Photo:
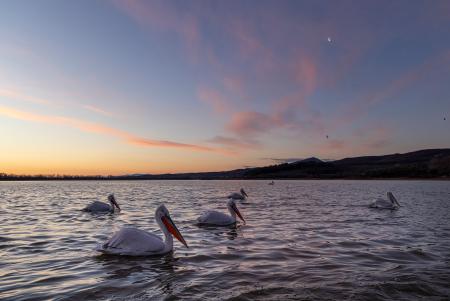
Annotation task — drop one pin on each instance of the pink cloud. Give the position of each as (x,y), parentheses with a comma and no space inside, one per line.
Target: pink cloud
(235,85)
(250,123)
(213,98)
(160,15)
(169,144)
(235,143)
(306,74)
(248,43)
(91,127)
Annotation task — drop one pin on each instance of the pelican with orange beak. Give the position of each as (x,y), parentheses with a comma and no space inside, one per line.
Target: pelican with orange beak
(215,218)
(135,242)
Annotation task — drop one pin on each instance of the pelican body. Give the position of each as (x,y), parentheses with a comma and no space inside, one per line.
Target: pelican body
(136,242)
(241,195)
(391,203)
(215,218)
(101,207)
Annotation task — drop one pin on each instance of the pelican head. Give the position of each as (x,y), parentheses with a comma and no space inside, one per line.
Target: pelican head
(163,215)
(243,192)
(113,201)
(392,198)
(232,204)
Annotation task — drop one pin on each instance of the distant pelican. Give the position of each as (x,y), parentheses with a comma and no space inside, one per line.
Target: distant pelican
(272,183)
(216,218)
(100,207)
(242,195)
(391,203)
(135,242)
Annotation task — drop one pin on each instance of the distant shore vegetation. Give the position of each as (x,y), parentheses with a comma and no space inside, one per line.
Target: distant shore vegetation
(423,164)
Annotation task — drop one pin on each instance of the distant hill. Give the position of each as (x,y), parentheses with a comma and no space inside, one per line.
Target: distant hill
(430,163)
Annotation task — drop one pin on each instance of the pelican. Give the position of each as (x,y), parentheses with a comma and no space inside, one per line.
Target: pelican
(271,183)
(100,207)
(391,203)
(216,218)
(241,195)
(135,242)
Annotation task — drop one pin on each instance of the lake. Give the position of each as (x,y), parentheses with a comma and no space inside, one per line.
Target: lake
(304,240)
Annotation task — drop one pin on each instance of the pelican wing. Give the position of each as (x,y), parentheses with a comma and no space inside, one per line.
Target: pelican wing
(215,218)
(382,204)
(97,206)
(132,241)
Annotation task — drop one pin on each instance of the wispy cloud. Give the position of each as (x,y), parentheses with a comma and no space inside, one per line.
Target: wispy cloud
(16,95)
(97,128)
(162,16)
(271,46)
(250,123)
(98,110)
(215,99)
(360,106)
(235,143)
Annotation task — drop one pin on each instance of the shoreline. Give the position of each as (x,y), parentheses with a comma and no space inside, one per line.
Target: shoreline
(229,179)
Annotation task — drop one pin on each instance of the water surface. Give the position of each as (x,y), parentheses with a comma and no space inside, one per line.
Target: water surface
(304,240)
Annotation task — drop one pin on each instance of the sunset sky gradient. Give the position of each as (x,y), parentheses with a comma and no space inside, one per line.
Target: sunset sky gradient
(131,86)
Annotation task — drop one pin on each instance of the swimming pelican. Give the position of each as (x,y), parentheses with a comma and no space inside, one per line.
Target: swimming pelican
(241,195)
(100,207)
(216,218)
(135,242)
(391,203)
(272,183)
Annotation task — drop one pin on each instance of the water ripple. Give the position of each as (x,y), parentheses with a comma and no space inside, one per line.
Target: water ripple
(304,240)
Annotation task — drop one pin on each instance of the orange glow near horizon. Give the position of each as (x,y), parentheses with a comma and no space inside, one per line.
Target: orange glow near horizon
(172,86)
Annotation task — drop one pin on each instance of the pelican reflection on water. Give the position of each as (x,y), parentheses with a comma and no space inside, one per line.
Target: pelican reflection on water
(135,242)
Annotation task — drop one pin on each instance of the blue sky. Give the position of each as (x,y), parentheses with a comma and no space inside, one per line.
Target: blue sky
(112,87)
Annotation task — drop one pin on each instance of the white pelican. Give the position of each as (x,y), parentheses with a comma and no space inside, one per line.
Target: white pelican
(241,195)
(272,183)
(100,207)
(391,203)
(216,218)
(135,242)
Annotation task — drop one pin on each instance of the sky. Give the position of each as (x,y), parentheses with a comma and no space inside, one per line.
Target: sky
(129,86)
